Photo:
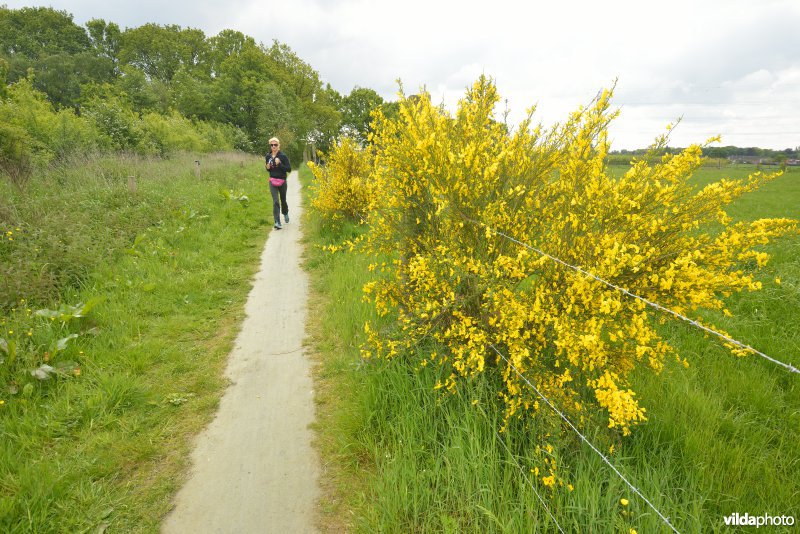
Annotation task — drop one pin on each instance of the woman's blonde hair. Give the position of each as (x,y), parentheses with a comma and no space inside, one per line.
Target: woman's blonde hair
(275,139)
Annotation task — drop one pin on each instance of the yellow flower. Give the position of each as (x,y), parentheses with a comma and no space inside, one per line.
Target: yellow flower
(623,502)
(456,282)
(777,280)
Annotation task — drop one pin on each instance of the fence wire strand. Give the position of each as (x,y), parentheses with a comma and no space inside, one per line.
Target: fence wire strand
(530,482)
(650,303)
(789,367)
(585,440)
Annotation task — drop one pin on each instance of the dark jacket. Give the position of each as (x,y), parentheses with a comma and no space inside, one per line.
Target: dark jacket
(281,170)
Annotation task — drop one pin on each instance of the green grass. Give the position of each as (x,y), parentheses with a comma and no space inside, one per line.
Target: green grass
(721,436)
(779,198)
(108,448)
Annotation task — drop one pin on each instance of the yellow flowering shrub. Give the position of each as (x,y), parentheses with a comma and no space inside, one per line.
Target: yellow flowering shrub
(343,188)
(448,184)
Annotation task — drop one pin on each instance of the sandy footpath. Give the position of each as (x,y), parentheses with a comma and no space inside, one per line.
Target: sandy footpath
(254,470)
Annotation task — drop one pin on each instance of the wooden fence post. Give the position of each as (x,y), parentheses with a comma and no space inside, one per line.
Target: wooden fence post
(197,168)
(132,184)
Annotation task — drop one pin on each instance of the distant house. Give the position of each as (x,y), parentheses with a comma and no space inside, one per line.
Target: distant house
(752,160)
(793,162)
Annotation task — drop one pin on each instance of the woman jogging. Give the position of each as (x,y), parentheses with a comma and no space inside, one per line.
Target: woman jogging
(278,166)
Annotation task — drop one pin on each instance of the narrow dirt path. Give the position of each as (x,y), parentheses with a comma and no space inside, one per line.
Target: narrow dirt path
(254,470)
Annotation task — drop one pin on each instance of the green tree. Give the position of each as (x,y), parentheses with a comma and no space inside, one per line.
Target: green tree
(48,133)
(159,51)
(61,76)
(3,77)
(190,94)
(116,78)
(237,91)
(390,110)
(59,51)
(105,39)
(357,110)
(119,124)
(133,85)
(292,72)
(326,120)
(317,118)
(225,44)
(35,32)
(276,117)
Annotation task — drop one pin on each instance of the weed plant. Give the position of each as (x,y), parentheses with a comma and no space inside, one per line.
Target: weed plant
(102,443)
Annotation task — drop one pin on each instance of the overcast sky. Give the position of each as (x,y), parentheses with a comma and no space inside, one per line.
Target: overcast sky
(727,67)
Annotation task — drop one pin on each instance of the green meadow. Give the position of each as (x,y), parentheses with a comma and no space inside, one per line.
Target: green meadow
(132,299)
(721,436)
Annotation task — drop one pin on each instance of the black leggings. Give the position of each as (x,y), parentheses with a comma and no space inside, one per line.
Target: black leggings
(279,205)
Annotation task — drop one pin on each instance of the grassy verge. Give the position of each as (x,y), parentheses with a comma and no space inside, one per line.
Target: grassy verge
(106,445)
(721,436)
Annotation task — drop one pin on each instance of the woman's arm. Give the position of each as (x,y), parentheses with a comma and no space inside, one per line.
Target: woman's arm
(285,165)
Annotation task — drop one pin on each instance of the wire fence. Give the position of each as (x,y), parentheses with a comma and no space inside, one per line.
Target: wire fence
(585,440)
(529,481)
(665,519)
(791,368)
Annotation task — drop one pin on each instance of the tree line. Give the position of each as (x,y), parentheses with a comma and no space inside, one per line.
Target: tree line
(726,152)
(155,88)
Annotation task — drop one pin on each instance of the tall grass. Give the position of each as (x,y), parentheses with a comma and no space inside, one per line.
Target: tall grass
(721,435)
(106,449)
